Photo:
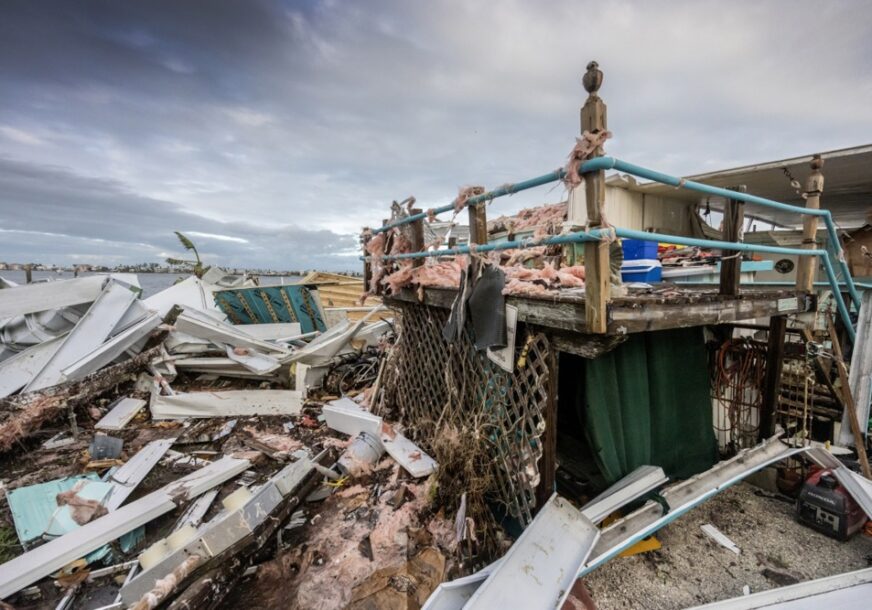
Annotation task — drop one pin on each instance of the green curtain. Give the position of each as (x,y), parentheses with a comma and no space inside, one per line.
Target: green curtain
(648,402)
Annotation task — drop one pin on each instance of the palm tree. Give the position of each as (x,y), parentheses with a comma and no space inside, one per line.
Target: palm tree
(196,266)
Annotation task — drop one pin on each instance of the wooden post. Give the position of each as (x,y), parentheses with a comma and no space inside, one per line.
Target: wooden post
(596,254)
(417,237)
(548,462)
(772,381)
(814,186)
(477,224)
(367,265)
(848,399)
(731,268)
(28,274)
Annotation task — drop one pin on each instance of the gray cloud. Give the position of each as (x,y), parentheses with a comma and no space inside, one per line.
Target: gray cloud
(49,213)
(244,116)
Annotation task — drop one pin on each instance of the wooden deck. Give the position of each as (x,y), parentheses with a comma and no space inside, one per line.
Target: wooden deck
(661,307)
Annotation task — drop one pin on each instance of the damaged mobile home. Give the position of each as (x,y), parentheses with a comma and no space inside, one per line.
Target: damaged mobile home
(515,414)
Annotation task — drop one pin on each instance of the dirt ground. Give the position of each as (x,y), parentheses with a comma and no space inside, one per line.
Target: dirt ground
(692,569)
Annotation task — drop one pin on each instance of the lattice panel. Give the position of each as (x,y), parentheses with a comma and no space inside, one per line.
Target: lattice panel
(428,383)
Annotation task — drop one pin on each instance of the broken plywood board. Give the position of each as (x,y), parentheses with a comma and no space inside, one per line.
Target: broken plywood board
(30,567)
(120,413)
(87,335)
(230,403)
(540,567)
(43,296)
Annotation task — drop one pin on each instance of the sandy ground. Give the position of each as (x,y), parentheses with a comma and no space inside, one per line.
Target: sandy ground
(691,569)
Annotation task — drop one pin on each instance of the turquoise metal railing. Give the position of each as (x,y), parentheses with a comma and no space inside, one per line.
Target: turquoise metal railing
(604,163)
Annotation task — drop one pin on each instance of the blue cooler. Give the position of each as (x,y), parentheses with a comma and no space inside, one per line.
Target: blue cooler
(647,270)
(635,249)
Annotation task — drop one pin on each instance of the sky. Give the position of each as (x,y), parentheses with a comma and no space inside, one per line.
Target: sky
(271,131)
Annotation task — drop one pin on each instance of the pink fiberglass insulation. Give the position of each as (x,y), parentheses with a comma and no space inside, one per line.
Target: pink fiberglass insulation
(548,215)
(527,281)
(376,245)
(519,280)
(442,274)
(522,288)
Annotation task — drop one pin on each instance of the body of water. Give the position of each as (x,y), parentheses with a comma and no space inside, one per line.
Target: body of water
(150,282)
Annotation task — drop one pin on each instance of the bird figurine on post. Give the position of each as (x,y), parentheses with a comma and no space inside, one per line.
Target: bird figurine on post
(593,78)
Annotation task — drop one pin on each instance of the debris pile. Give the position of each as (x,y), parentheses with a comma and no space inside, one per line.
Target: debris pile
(184,451)
(201,462)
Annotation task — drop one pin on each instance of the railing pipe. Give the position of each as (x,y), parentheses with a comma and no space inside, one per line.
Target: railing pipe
(605,163)
(643,172)
(507,189)
(744,247)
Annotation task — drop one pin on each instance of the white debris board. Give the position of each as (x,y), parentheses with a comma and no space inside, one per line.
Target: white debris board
(231,403)
(120,414)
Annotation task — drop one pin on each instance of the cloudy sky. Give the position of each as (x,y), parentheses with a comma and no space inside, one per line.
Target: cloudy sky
(271,131)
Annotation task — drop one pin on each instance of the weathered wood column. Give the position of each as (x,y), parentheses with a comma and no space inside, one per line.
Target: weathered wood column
(814,186)
(772,381)
(477,224)
(367,264)
(417,237)
(596,254)
(734,220)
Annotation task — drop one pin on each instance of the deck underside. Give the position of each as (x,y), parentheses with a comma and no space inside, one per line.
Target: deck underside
(658,308)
